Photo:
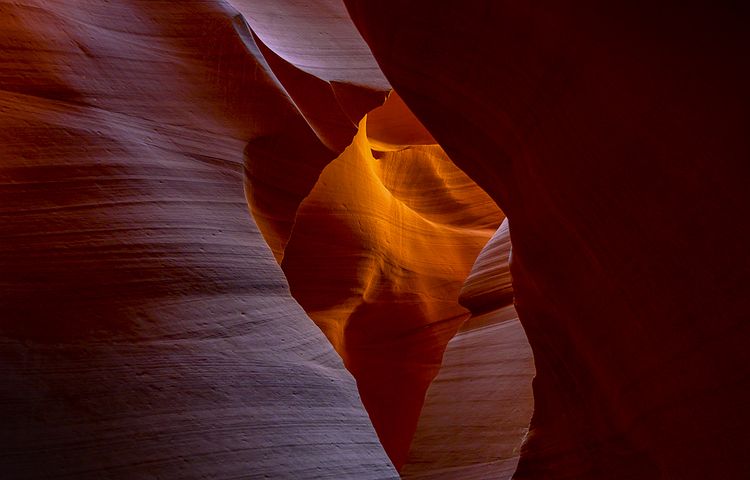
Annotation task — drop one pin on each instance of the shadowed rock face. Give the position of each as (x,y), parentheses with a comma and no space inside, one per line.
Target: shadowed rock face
(614,139)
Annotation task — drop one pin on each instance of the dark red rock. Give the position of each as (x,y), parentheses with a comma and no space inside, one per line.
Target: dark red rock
(614,138)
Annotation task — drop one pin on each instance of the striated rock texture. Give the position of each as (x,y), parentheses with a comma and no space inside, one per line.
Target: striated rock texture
(145,329)
(377,256)
(329,81)
(489,285)
(477,410)
(614,138)
(377,246)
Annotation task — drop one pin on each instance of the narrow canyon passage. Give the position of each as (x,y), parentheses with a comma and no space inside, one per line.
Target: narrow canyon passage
(378,254)
(146,329)
(272,239)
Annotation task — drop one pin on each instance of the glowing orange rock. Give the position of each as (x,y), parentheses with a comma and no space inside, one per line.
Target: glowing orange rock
(377,256)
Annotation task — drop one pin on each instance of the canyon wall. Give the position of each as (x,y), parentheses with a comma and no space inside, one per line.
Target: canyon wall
(377,257)
(146,330)
(614,138)
(477,410)
(355,310)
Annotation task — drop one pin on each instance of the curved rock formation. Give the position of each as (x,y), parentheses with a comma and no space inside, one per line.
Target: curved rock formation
(489,286)
(477,410)
(377,256)
(377,250)
(146,330)
(316,37)
(613,137)
(323,111)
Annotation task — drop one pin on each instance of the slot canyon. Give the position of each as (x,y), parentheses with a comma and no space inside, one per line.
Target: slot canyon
(350,239)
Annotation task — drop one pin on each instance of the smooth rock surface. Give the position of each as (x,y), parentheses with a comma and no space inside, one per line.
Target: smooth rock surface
(477,409)
(377,257)
(489,285)
(145,329)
